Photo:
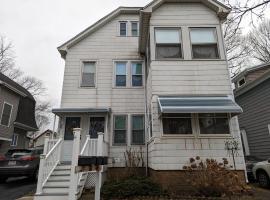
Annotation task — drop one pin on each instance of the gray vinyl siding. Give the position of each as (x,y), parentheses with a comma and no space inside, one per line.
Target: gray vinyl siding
(256,118)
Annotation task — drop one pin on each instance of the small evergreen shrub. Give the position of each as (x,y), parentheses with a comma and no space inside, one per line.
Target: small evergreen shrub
(130,187)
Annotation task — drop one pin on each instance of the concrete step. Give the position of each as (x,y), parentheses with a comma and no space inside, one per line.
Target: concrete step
(51,196)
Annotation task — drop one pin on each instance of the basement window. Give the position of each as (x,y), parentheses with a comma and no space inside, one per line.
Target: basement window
(241,82)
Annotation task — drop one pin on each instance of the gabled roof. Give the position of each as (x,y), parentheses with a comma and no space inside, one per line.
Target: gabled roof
(77,38)
(250,69)
(42,133)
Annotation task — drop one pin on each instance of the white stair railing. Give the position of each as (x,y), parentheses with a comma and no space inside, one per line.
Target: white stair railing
(48,161)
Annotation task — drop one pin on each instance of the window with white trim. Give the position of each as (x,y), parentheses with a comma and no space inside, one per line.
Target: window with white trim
(204,43)
(6,114)
(121,74)
(88,74)
(14,140)
(137,74)
(168,43)
(137,137)
(177,124)
(123,28)
(134,28)
(120,130)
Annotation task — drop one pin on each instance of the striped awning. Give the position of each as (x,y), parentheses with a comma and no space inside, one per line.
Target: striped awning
(198,104)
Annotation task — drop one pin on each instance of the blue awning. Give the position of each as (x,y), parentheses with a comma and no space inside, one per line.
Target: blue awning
(195,104)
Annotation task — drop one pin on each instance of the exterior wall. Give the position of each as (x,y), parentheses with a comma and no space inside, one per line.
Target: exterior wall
(103,46)
(13,99)
(187,77)
(256,118)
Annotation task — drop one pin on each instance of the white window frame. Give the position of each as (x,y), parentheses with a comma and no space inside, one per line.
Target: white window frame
(127,129)
(131,129)
(216,37)
(119,28)
(82,66)
(9,115)
(180,30)
(238,82)
(114,77)
(131,75)
(16,140)
(137,28)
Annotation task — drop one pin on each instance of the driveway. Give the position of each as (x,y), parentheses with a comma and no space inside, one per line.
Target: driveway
(16,188)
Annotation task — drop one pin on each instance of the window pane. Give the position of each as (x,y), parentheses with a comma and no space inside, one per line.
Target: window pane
(138,137)
(120,122)
(167,36)
(120,80)
(119,136)
(214,124)
(205,51)
(137,80)
(6,114)
(134,28)
(168,51)
(202,35)
(121,68)
(137,122)
(88,79)
(136,68)
(89,67)
(177,126)
(123,29)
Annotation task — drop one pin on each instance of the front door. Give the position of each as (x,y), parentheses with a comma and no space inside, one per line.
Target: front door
(96,125)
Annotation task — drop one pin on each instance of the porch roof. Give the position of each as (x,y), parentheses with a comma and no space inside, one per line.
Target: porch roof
(61,111)
(198,104)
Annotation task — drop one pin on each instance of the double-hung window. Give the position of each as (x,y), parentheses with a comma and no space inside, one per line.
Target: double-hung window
(123,28)
(177,124)
(168,43)
(88,74)
(137,74)
(6,114)
(120,130)
(204,43)
(214,123)
(137,130)
(120,74)
(134,28)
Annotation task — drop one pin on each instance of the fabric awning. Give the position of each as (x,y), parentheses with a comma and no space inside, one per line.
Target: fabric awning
(61,111)
(197,104)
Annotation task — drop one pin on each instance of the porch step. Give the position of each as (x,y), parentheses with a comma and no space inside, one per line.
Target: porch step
(55,189)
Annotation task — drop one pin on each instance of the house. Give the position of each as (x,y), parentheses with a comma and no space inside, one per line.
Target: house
(153,77)
(252,93)
(38,139)
(17,115)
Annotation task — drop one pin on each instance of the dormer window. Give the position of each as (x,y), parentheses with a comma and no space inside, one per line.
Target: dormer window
(241,82)
(168,43)
(123,28)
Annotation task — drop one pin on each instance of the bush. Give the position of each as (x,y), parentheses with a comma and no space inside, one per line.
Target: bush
(130,187)
(212,179)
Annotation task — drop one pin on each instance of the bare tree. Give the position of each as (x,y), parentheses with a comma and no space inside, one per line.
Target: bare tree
(258,41)
(32,84)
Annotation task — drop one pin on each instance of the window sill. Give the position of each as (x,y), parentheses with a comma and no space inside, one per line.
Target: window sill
(139,87)
(218,136)
(87,87)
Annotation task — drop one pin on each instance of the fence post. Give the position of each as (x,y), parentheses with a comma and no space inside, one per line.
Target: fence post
(73,175)
(99,153)
(41,166)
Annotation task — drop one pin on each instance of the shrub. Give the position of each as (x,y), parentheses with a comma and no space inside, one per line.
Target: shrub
(212,179)
(131,187)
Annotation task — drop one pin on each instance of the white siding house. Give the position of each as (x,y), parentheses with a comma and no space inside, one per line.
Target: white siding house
(154,77)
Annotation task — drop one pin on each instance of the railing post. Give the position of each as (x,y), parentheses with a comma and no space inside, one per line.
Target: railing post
(73,175)
(99,153)
(41,166)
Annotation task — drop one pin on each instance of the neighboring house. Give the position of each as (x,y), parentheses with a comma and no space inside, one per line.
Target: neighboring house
(17,115)
(154,77)
(252,93)
(39,138)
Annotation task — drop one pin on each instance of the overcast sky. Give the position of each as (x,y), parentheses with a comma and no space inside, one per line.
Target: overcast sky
(37,27)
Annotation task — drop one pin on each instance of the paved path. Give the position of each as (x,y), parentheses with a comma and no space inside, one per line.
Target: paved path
(16,188)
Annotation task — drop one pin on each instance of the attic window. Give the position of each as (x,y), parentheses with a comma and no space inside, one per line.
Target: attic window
(241,82)
(123,28)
